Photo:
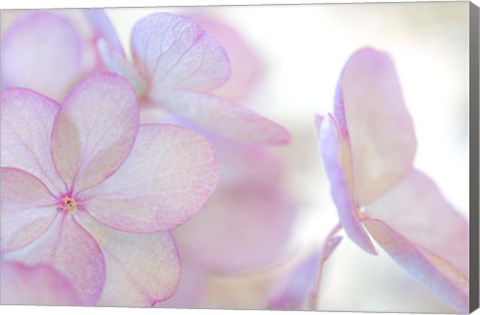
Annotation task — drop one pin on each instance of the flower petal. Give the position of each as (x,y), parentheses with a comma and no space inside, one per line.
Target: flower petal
(71,250)
(94,130)
(436,274)
(380,129)
(41,51)
(142,269)
(416,208)
(248,198)
(330,144)
(27,208)
(218,116)
(174,52)
(244,61)
(37,285)
(26,125)
(117,63)
(169,175)
(102,28)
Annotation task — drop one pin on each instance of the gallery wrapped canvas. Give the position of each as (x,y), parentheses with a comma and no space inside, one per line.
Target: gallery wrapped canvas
(317,157)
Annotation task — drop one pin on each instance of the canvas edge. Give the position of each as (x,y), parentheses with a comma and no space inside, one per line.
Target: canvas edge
(474,155)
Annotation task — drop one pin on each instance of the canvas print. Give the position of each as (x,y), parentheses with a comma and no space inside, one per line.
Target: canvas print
(286,157)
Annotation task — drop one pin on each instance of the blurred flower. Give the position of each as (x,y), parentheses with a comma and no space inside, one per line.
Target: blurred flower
(175,64)
(38,284)
(368,147)
(250,197)
(88,191)
(302,281)
(50,51)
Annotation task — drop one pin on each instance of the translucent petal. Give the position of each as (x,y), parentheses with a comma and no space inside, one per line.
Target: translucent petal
(222,118)
(435,273)
(330,144)
(72,251)
(169,175)
(94,130)
(174,52)
(27,208)
(142,269)
(370,108)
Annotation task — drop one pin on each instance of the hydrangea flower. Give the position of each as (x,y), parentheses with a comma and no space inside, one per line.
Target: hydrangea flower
(368,147)
(49,51)
(175,66)
(38,284)
(88,191)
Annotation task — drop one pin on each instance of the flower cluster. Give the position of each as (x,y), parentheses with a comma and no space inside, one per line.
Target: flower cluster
(88,190)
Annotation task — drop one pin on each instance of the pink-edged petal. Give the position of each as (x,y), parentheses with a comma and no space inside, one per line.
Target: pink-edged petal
(249,198)
(142,269)
(370,106)
(72,251)
(94,130)
(174,52)
(27,208)
(436,274)
(37,285)
(26,125)
(41,51)
(191,288)
(416,208)
(330,145)
(222,118)
(245,63)
(169,175)
(115,62)
(102,28)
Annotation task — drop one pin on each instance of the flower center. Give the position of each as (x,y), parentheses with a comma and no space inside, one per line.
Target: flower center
(69,204)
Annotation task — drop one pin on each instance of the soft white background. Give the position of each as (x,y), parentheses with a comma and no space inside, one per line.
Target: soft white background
(433,93)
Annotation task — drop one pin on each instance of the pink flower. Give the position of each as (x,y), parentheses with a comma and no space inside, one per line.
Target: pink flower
(87,190)
(39,285)
(175,64)
(50,51)
(368,146)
